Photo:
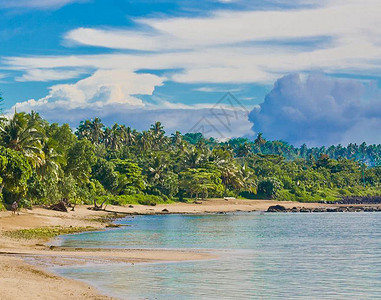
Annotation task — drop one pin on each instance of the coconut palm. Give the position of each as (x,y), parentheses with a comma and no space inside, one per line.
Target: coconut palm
(96,131)
(127,135)
(156,169)
(18,134)
(157,129)
(193,158)
(176,138)
(112,137)
(243,150)
(145,140)
(51,163)
(260,140)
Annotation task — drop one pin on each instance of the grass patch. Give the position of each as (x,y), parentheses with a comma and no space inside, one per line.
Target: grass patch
(45,232)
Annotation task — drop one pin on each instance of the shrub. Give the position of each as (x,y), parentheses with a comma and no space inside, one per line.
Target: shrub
(133,199)
(270,187)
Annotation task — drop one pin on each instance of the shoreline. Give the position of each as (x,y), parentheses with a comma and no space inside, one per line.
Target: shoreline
(39,283)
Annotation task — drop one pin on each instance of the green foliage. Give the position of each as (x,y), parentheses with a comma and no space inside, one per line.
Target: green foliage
(131,180)
(80,159)
(133,199)
(2,207)
(270,187)
(15,172)
(202,181)
(42,163)
(103,171)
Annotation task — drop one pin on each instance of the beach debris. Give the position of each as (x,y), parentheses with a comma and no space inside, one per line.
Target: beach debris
(165,210)
(60,206)
(112,225)
(131,206)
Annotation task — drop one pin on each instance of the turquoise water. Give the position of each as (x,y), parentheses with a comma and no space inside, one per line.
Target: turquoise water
(262,256)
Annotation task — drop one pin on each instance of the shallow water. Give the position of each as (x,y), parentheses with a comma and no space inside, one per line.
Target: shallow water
(262,256)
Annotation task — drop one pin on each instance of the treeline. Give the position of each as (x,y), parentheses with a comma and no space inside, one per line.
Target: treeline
(43,163)
(368,154)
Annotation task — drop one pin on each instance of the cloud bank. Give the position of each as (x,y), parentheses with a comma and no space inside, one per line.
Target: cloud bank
(185,120)
(319,110)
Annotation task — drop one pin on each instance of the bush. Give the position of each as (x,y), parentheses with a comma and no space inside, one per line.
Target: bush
(269,187)
(285,195)
(133,199)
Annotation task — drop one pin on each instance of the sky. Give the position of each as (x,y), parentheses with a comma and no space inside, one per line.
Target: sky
(302,71)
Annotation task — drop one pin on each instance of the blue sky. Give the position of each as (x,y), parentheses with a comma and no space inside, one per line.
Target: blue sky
(136,62)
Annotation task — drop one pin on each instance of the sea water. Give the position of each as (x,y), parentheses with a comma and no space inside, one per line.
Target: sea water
(260,256)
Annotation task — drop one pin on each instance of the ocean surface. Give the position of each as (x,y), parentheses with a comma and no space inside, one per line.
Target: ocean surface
(261,256)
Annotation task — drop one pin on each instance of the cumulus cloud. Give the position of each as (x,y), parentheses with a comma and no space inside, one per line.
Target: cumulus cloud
(319,110)
(185,120)
(102,88)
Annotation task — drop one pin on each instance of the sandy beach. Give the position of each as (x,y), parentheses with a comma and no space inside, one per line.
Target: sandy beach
(21,280)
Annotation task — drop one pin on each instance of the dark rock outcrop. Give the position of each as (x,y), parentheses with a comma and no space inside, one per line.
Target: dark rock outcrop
(352,208)
(276,208)
(358,200)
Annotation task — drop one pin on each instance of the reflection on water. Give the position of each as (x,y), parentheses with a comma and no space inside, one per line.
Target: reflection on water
(270,256)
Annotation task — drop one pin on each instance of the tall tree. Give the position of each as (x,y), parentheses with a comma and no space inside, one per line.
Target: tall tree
(17,133)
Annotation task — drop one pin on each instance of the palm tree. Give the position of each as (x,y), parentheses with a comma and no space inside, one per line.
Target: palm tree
(128,136)
(157,132)
(84,130)
(243,150)
(112,137)
(156,169)
(260,140)
(51,163)
(35,120)
(157,129)
(145,140)
(193,158)
(176,138)
(18,134)
(96,131)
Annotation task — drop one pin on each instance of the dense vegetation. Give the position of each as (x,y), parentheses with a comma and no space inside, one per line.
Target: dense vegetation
(42,163)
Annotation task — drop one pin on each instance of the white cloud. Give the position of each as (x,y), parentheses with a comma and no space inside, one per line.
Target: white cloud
(48,75)
(40,4)
(224,47)
(210,50)
(319,110)
(182,119)
(207,89)
(337,19)
(104,87)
